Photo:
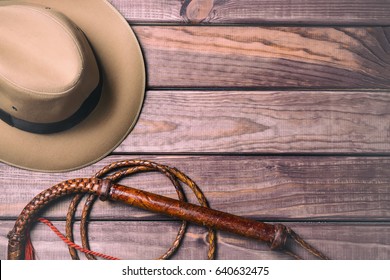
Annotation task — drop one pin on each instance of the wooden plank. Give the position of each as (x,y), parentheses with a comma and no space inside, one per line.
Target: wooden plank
(144,240)
(262,122)
(325,12)
(264,188)
(266,57)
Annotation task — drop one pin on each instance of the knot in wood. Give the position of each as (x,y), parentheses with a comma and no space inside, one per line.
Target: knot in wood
(197,10)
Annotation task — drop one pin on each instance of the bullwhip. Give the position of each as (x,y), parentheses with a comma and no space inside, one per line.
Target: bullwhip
(104,185)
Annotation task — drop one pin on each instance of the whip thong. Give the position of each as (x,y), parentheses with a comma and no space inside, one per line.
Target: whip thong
(108,188)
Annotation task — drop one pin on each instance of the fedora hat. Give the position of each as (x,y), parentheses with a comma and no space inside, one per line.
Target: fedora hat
(72,82)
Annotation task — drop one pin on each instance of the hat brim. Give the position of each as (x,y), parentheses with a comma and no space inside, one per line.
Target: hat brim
(122,66)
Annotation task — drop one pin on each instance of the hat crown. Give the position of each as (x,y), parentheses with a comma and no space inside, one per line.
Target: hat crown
(47,67)
(40,53)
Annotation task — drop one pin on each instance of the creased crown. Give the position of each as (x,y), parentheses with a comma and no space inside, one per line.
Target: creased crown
(47,67)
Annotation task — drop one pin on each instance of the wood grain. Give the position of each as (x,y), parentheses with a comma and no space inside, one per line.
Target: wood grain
(263,188)
(144,240)
(266,57)
(262,122)
(325,12)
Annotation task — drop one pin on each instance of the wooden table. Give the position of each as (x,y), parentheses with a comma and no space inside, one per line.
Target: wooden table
(279,110)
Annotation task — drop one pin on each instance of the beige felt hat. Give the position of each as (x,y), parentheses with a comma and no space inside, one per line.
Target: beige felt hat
(72,82)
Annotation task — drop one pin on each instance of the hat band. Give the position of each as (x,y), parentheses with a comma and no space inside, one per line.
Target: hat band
(46,128)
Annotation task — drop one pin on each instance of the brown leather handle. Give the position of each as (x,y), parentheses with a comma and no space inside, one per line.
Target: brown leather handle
(274,235)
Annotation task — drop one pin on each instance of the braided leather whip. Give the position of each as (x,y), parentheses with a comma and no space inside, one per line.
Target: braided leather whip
(106,187)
